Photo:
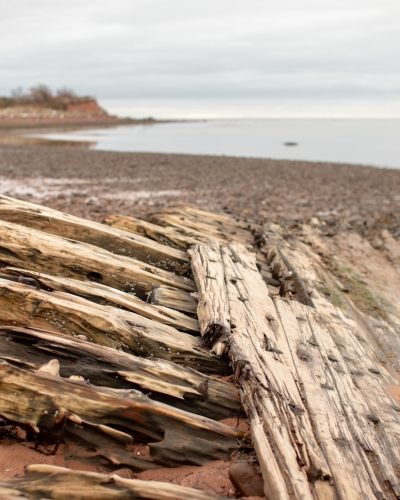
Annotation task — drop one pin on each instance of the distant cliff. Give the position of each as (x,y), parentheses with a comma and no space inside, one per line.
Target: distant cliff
(40,106)
(42,97)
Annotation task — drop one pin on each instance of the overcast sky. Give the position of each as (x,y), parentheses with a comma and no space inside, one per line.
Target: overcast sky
(220,48)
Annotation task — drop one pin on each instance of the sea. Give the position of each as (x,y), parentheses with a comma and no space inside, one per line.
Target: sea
(331,135)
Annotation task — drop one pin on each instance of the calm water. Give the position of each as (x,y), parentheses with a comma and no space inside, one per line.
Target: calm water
(363,141)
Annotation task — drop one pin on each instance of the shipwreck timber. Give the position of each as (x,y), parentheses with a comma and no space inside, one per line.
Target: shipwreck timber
(118,333)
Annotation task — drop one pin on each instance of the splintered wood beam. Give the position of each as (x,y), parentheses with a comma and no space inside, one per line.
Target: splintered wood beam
(213,305)
(24,305)
(346,442)
(49,481)
(166,382)
(36,250)
(112,239)
(258,350)
(262,360)
(55,408)
(318,392)
(173,299)
(234,223)
(165,235)
(105,295)
(199,231)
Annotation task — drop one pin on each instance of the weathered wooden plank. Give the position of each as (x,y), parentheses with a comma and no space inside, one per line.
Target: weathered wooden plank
(260,315)
(213,305)
(172,298)
(112,239)
(201,232)
(49,481)
(375,428)
(165,235)
(275,485)
(234,223)
(53,407)
(23,305)
(254,352)
(166,382)
(364,380)
(266,374)
(200,229)
(350,477)
(35,250)
(104,295)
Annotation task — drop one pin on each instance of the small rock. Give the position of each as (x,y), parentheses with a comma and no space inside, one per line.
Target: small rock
(246,479)
(315,221)
(377,242)
(52,367)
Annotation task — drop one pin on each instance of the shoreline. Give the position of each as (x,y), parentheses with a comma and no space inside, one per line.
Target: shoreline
(42,124)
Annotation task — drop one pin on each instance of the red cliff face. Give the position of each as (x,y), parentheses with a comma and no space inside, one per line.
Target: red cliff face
(86,107)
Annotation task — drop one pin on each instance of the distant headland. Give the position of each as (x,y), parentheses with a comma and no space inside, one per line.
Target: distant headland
(41,107)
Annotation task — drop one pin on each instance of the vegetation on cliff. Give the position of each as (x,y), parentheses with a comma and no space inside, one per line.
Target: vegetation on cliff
(42,96)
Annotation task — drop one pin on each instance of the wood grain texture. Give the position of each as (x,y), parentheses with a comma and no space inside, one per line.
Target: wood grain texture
(164,235)
(173,298)
(112,239)
(51,482)
(213,305)
(23,305)
(162,380)
(35,250)
(315,395)
(105,295)
(55,407)
(237,226)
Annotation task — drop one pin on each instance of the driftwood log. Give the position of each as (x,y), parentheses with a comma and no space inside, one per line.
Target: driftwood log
(112,239)
(51,482)
(53,407)
(105,295)
(24,305)
(38,251)
(162,380)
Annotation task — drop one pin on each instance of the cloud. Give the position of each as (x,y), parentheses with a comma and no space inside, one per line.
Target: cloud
(219,48)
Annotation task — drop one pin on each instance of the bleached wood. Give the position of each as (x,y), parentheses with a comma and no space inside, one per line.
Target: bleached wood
(379,438)
(35,250)
(105,295)
(23,305)
(52,406)
(165,235)
(234,223)
(256,357)
(213,305)
(202,233)
(172,298)
(325,407)
(112,239)
(361,379)
(66,484)
(167,382)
